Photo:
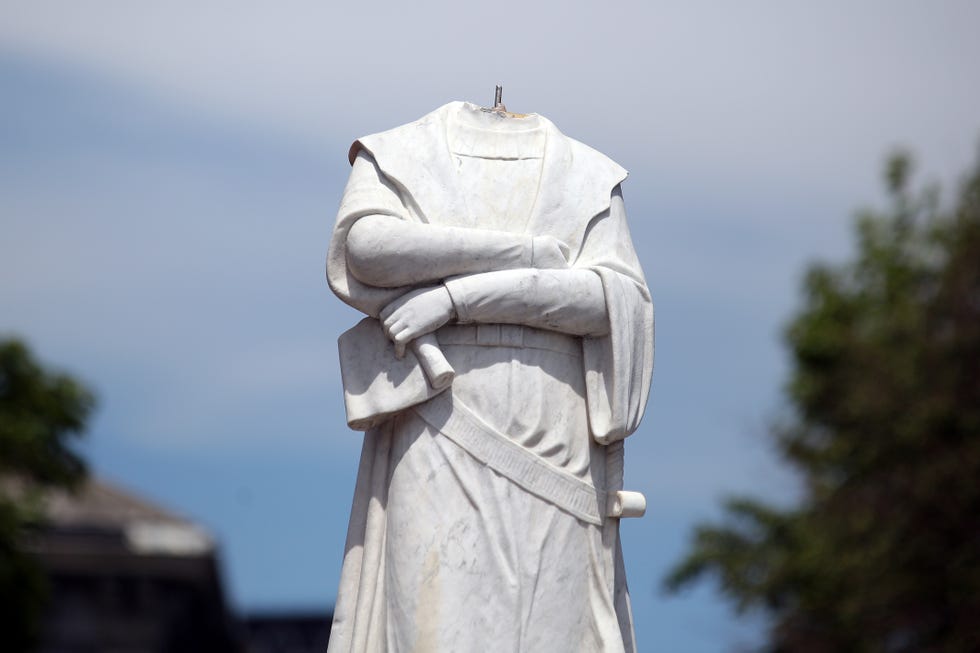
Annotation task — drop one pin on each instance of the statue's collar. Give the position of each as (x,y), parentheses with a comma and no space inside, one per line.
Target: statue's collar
(576,181)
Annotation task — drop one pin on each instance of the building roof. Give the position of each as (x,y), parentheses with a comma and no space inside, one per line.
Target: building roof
(98,503)
(146,527)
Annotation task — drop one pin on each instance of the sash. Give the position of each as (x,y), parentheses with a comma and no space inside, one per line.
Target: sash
(453,419)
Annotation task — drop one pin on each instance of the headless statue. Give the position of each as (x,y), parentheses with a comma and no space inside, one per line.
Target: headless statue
(505,354)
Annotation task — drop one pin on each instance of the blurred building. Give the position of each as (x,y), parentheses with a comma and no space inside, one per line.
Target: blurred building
(128,576)
(287,632)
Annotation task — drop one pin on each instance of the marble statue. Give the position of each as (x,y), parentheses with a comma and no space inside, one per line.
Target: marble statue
(505,354)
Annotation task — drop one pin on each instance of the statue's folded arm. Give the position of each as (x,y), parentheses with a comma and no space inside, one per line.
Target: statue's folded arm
(387,251)
(570,301)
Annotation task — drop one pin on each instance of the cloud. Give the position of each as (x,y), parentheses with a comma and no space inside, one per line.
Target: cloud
(177,264)
(759,93)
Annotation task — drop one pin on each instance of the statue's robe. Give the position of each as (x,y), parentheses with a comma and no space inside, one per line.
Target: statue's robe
(479,517)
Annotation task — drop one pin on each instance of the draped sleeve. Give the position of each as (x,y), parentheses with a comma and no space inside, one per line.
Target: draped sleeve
(367,192)
(617,365)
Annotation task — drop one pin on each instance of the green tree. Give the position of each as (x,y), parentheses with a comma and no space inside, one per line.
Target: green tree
(883,551)
(40,413)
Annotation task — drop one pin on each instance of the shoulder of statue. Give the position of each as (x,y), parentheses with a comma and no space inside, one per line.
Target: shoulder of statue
(404,137)
(598,163)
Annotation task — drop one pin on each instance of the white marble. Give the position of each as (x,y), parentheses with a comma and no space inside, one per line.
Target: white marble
(506,354)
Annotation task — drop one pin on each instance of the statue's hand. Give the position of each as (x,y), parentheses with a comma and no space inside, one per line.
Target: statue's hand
(549,253)
(414,314)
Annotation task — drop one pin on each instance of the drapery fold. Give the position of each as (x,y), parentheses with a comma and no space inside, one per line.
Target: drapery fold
(618,366)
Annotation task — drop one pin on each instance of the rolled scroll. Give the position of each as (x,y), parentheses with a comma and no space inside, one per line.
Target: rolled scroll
(438,372)
(623,503)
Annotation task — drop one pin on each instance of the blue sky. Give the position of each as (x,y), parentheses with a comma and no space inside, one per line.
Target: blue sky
(169,177)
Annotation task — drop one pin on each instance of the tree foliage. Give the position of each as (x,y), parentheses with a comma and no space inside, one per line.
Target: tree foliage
(40,413)
(883,551)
